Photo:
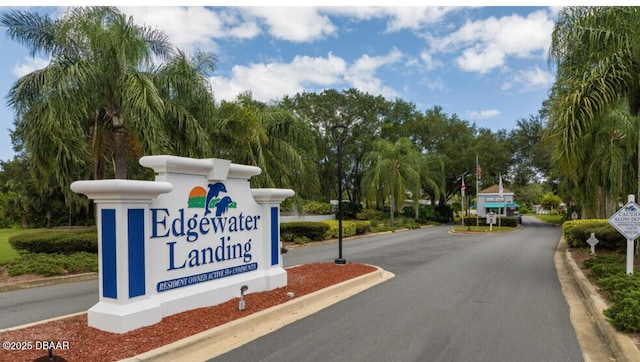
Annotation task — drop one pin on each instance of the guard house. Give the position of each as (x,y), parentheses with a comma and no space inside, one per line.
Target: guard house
(490,199)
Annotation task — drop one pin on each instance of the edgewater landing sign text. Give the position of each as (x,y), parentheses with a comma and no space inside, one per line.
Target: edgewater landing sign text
(190,239)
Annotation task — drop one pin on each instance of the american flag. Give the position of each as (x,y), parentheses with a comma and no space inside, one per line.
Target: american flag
(462,188)
(478,169)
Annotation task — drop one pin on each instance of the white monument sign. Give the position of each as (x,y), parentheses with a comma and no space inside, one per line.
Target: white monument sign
(627,222)
(192,238)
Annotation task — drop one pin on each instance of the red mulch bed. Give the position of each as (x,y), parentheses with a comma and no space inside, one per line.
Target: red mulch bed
(90,344)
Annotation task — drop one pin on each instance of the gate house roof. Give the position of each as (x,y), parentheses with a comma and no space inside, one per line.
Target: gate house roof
(495,189)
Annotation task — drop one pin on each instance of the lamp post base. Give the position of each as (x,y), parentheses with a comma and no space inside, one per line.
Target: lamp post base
(340,261)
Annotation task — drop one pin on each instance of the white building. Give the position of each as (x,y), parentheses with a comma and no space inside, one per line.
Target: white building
(490,199)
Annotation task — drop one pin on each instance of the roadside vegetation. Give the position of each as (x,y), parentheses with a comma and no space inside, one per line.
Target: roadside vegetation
(48,252)
(607,270)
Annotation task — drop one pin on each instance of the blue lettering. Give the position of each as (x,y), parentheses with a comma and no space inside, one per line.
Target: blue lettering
(192,224)
(155,222)
(172,257)
(247,251)
(204,226)
(194,258)
(220,254)
(219,224)
(177,226)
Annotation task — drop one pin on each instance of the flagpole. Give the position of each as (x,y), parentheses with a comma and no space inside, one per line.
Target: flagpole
(500,191)
(462,190)
(477,199)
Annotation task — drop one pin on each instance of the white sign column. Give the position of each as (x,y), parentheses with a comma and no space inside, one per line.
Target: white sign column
(627,222)
(121,206)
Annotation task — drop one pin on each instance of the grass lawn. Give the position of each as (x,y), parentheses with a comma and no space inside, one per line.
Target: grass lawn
(8,253)
(553,219)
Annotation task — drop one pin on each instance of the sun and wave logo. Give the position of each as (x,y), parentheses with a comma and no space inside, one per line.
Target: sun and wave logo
(210,199)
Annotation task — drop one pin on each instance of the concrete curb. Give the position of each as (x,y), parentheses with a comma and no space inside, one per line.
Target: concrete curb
(621,345)
(224,338)
(48,281)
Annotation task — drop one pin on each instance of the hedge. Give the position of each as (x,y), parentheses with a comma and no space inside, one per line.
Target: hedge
(576,233)
(57,241)
(362,226)
(315,231)
(348,228)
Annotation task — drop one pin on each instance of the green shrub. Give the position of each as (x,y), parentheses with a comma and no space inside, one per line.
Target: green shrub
(603,259)
(301,240)
(624,315)
(351,209)
(369,214)
(348,228)
(619,285)
(57,241)
(524,210)
(54,264)
(317,207)
(362,226)
(444,214)
(606,270)
(311,229)
(427,212)
(576,233)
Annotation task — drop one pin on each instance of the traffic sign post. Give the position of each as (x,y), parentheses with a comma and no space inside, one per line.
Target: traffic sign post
(627,222)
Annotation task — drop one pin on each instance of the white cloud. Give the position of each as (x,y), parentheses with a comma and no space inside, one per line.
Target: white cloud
(274,80)
(414,17)
(296,24)
(487,44)
(190,28)
(29,65)
(435,84)
(534,79)
(361,74)
(429,62)
(270,81)
(484,114)
(482,61)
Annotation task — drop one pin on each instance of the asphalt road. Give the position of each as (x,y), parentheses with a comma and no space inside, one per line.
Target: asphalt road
(33,305)
(454,298)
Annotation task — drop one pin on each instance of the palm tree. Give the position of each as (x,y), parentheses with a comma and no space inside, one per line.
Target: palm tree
(100,96)
(607,167)
(596,52)
(394,171)
(271,138)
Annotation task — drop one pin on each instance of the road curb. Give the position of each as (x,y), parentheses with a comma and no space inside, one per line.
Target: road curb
(621,345)
(48,281)
(224,338)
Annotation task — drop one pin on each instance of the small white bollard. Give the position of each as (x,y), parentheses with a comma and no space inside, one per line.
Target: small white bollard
(243,289)
(592,241)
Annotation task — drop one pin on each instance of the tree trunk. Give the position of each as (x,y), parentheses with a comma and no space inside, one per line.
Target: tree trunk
(119,155)
(392,206)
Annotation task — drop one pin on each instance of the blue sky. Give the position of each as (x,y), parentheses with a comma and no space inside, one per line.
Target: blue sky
(488,65)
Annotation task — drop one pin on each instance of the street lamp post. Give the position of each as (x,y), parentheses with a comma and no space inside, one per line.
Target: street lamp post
(339,133)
